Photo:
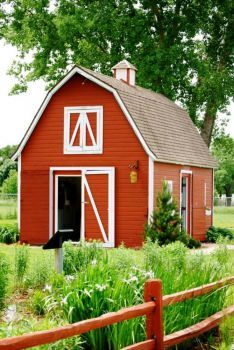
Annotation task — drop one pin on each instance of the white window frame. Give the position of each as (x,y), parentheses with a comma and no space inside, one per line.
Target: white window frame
(205,193)
(191,196)
(82,122)
(170,186)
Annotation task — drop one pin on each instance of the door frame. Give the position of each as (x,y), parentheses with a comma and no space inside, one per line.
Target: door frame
(189,213)
(110,171)
(56,184)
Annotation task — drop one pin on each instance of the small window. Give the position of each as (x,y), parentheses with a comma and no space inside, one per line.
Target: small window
(205,194)
(83,130)
(170,186)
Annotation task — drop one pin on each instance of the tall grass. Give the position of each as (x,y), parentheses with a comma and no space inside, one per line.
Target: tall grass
(21,263)
(4,275)
(116,280)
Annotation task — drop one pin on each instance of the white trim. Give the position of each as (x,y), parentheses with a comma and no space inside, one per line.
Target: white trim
(186,171)
(212,198)
(81,123)
(150,188)
(51,200)
(191,196)
(19,192)
(110,171)
(98,82)
(205,193)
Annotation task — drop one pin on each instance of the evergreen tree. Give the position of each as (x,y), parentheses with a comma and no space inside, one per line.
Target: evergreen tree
(165,224)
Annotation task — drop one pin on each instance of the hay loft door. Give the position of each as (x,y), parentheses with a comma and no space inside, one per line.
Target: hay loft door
(98,206)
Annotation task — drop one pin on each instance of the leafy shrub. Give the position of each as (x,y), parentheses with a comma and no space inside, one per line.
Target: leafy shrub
(165,224)
(10,183)
(21,262)
(79,256)
(4,270)
(214,233)
(37,303)
(193,243)
(40,271)
(5,169)
(9,233)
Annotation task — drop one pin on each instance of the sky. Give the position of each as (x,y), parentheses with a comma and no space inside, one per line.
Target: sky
(17,111)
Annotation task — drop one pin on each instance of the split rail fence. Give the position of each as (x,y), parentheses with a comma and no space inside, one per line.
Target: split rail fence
(152,308)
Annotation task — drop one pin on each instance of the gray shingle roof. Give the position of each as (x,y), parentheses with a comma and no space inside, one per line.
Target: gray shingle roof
(167,129)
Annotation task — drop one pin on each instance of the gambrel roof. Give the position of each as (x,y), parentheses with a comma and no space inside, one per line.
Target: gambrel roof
(164,129)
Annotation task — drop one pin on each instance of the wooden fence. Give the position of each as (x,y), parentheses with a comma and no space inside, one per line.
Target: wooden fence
(152,308)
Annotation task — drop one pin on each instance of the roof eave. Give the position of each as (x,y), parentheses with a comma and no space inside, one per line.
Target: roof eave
(68,76)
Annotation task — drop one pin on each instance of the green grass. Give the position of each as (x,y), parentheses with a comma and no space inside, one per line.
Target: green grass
(8,209)
(107,280)
(224,217)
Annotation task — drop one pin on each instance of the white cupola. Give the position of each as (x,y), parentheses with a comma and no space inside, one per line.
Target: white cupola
(125,71)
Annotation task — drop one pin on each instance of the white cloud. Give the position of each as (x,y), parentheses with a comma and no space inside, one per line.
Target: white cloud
(16,112)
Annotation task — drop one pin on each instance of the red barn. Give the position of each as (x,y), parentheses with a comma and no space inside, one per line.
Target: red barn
(96,154)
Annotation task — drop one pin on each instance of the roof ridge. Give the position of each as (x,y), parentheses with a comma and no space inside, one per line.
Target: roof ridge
(135,89)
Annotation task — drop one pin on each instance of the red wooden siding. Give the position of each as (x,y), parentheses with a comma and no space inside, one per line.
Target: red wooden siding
(120,149)
(200,176)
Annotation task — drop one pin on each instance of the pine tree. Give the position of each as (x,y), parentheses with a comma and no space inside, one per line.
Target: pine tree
(165,224)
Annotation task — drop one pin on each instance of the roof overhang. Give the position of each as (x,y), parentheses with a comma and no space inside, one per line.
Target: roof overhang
(66,78)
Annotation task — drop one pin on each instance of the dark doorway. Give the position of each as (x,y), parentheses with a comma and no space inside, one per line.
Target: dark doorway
(69,204)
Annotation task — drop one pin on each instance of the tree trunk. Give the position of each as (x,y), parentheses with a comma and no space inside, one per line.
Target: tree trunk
(228,192)
(208,127)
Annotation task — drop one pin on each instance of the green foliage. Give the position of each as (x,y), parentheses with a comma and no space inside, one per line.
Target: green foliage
(223,150)
(4,277)
(37,303)
(81,255)
(9,233)
(10,183)
(7,152)
(28,325)
(40,272)
(215,233)
(182,49)
(5,168)
(112,284)
(21,263)
(165,224)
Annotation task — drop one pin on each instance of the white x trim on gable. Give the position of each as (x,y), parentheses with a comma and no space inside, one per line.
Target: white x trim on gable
(83,130)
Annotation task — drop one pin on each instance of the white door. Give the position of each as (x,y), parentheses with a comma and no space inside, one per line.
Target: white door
(98,194)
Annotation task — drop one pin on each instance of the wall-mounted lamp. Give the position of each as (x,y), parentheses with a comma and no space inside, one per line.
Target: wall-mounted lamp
(134,168)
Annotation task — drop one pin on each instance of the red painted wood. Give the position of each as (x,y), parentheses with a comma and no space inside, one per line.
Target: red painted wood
(154,321)
(121,148)
(144,345)
(197,329)
(200,222)
(52,335)
(195,292)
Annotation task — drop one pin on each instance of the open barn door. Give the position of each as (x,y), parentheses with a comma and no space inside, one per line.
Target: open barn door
(98,206)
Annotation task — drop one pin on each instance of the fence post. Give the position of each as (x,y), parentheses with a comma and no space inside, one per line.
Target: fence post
(154,320)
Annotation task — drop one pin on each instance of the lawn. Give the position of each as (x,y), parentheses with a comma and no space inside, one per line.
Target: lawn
(8,211)
(224,217)
(97,281)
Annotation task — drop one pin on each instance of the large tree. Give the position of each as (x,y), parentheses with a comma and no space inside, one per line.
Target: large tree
(223,150)
(182,48)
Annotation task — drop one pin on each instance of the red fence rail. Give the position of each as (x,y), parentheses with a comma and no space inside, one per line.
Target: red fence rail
(152,309)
